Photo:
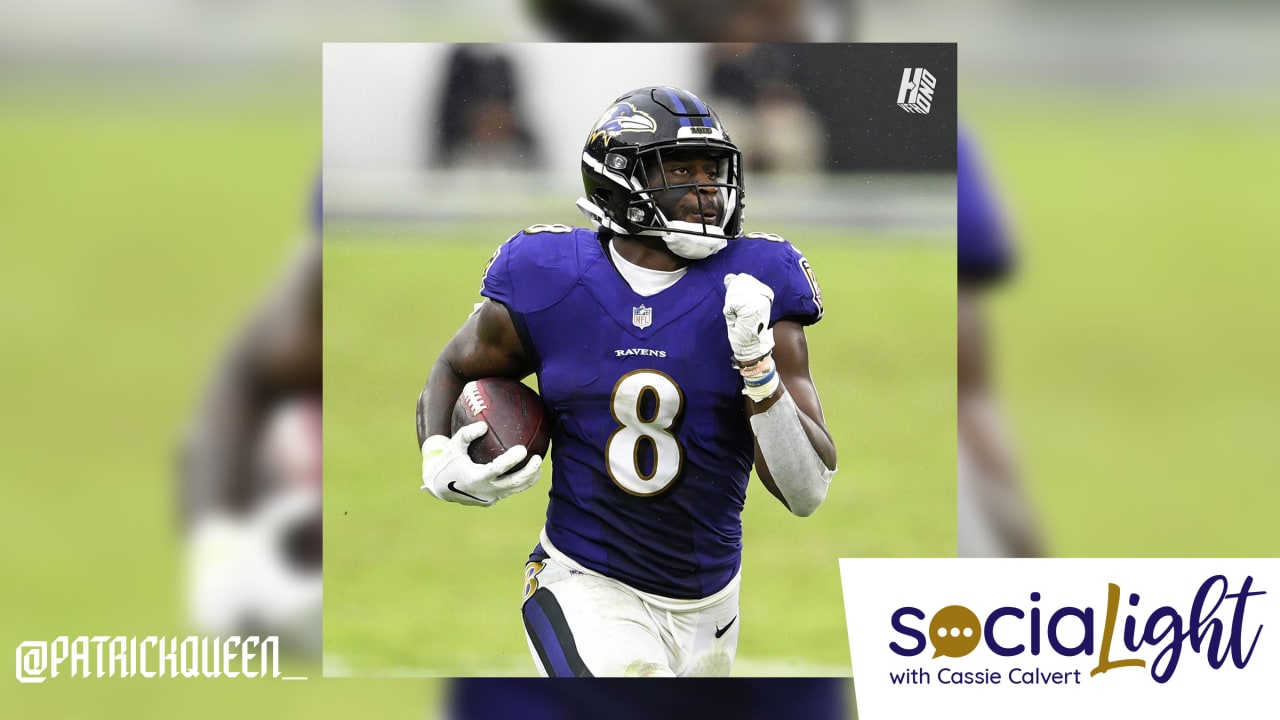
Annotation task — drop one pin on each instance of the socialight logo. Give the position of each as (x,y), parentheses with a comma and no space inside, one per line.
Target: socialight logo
(1122,630)
(954,631)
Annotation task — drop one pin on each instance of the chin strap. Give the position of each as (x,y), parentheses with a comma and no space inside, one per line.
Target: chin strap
(597,216)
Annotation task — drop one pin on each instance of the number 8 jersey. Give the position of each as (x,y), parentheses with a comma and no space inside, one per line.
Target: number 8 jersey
(651,451)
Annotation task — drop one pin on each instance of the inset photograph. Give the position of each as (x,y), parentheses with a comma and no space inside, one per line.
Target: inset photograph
(625,346)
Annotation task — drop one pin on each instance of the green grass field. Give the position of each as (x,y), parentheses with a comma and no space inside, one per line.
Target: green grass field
(138,238)
(1136,349)
(1136,357)
(417,586)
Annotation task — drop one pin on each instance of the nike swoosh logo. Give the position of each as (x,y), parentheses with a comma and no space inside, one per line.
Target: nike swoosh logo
(480,500)
(722,630)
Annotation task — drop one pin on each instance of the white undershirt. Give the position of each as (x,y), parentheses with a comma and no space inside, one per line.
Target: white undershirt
(643,281)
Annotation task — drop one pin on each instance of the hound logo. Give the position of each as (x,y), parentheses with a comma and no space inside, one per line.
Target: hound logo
(642,317)
(623,117)
(915,94)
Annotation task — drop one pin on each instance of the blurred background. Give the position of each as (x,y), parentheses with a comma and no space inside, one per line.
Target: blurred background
(1127,146)
(157,159)
(435,154)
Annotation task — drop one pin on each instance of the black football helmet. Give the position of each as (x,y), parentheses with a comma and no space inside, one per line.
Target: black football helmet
(627,191)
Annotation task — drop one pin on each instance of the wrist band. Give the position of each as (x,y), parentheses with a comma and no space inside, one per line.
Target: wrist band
(433,446)
(760,380)
(432,451)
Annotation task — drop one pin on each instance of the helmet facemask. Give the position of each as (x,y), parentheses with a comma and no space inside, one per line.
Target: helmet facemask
(652,204)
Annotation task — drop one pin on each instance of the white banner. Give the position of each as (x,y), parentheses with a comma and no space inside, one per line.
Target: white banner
(1071,638)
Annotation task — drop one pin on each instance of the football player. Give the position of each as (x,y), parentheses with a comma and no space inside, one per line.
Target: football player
(993,516)
(670,352)
(250,472)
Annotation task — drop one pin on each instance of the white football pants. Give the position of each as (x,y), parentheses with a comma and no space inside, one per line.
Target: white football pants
(580,623)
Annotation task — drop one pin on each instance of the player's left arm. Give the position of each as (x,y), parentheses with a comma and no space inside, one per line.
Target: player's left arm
(795,456)
(790,424)
(981,429)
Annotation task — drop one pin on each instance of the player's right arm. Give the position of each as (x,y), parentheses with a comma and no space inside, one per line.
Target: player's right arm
(487,345)
(277,354)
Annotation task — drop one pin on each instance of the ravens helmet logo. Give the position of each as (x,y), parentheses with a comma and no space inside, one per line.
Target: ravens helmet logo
(622,117)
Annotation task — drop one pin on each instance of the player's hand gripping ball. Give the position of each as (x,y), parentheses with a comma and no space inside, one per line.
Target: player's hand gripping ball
(500,434)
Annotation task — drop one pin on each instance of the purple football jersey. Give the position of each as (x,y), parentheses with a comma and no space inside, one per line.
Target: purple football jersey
(651,448)
(984,252)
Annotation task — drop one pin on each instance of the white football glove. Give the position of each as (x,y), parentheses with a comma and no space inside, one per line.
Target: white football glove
(747,303)
(239,575)
(450,474)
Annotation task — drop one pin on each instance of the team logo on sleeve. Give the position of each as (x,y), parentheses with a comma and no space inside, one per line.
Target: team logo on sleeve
(642,317)
(623,117)
(813,284)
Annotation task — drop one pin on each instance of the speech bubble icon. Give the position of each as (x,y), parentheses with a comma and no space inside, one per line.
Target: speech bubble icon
(954,631)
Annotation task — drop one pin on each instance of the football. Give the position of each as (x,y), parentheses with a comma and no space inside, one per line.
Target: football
(515,415)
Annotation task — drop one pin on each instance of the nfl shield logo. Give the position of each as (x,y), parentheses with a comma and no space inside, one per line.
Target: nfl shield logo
(642,317)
